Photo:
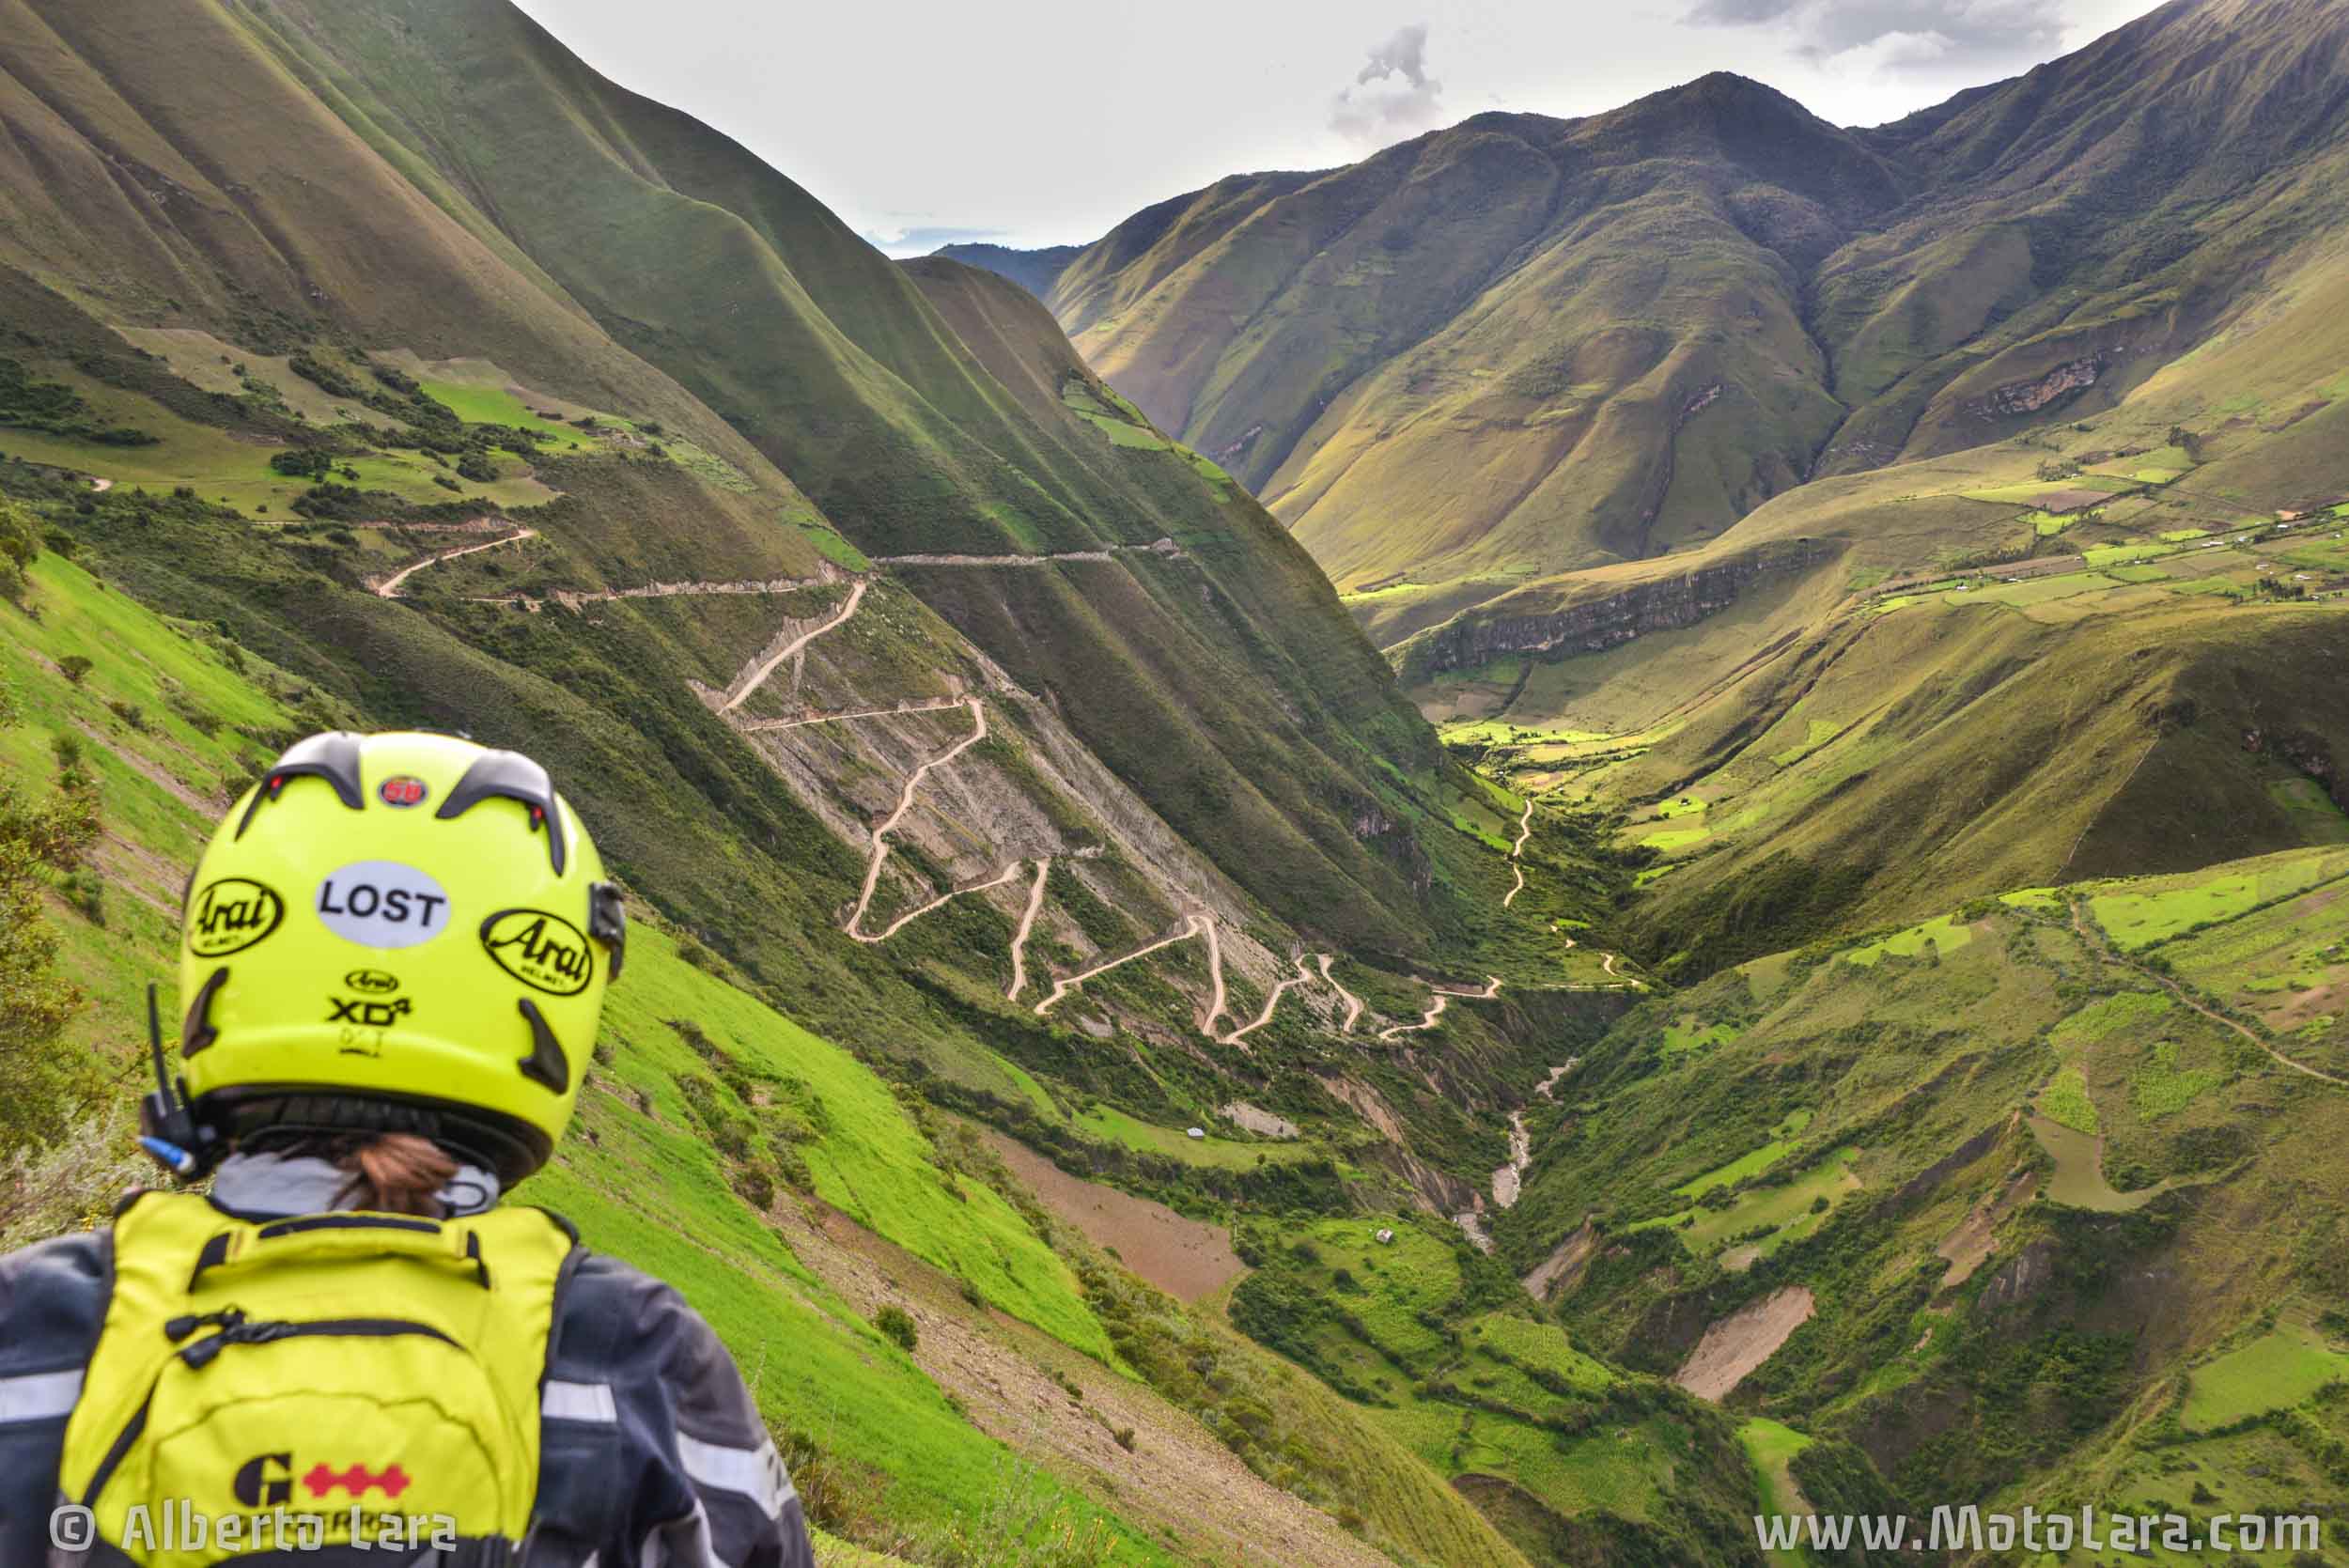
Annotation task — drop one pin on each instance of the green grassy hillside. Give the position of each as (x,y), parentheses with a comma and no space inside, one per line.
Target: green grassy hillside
(719,1145)
(2050,1175)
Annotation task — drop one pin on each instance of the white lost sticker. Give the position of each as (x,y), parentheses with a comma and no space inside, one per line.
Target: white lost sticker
(382,904)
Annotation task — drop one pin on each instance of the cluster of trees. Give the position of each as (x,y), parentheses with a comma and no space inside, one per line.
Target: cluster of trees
(56,409)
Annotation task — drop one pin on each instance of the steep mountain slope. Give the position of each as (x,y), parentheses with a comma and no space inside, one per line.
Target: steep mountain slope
(2083,226)
(2073,345)
(975,750)
(1521,344)
(786,1187)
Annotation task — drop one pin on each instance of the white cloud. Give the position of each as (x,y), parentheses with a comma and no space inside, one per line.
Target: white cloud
(1059,128)
(1393,96)
(921,240)
(1900,34)
(1891,52)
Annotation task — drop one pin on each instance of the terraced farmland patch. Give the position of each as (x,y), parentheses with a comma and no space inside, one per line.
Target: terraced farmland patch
(1944,933)
(2163,909)
(2277,1371)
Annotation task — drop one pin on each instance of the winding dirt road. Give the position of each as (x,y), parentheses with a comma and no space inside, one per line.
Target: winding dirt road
(1441,998)
(1220,1000)
(1304,976)
(776,661)
(763,726)
(2105,950)
(911,915)
(1525,831)
(1027,924)
(1435,1011)
(389,587)
(1192,926)
(905,803)
(1353,1003)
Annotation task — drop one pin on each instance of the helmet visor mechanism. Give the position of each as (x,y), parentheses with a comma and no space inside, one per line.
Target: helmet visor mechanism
(401,932)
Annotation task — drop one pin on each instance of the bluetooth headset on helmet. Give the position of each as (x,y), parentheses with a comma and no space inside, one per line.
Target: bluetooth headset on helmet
(389,933)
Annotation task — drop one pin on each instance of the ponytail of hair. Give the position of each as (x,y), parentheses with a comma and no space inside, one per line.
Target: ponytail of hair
(396,1172)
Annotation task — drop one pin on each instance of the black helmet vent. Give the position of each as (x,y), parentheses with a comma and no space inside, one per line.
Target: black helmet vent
(333,756)
(511,776)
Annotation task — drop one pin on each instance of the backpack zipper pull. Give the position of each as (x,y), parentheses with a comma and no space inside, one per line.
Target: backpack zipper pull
(202,1353)
(180,1327)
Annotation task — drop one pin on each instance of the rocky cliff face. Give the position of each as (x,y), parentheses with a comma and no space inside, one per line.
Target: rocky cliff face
(2026,397)
(1479,636)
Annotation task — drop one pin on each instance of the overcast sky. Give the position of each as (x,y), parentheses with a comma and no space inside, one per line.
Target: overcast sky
(1046,121)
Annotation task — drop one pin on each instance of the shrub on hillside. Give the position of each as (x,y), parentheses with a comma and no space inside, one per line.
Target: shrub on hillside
(897,1325)
(755,1186)
(301,463)
(19,543)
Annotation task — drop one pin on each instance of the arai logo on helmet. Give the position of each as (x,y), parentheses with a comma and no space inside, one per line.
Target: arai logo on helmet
(542,951)
(231,914)
(403,789)
(382,904)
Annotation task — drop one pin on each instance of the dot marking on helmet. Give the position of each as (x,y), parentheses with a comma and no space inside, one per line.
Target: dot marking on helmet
(544,952)
(382,904)
(231,914)
(403,790)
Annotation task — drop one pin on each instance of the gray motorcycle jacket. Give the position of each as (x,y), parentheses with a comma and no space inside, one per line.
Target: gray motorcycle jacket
(651,1454)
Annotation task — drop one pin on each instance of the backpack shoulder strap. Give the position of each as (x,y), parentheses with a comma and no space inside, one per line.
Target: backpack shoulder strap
(158,1238)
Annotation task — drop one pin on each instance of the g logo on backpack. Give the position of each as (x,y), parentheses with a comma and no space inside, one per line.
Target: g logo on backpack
(265,1481)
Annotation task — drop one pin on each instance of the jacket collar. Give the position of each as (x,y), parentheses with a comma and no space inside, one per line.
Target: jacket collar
(271,1187)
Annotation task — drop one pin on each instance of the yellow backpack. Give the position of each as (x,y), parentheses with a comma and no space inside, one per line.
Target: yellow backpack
(321,1381)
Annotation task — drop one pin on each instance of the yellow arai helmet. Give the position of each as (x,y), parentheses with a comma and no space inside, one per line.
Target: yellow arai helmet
(394,933)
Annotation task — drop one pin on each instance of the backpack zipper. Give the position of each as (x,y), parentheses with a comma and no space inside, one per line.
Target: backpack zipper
(235,1328)
(243,1331)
